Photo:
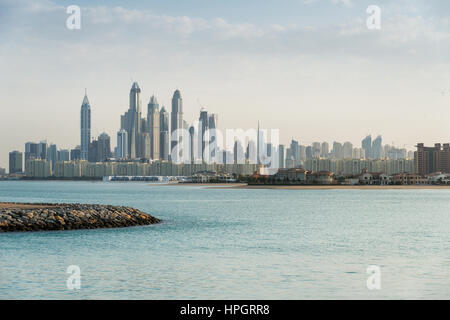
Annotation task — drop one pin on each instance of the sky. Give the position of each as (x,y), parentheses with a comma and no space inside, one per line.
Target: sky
(310,68)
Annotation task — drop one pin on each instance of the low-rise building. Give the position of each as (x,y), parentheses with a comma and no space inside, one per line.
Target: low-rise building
(408,179)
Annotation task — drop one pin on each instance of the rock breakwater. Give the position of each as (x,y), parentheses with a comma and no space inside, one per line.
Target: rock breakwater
(46,216)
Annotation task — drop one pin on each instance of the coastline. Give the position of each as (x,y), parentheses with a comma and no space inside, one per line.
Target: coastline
(346,187)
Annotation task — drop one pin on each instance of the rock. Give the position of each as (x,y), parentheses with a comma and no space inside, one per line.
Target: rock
(70,216)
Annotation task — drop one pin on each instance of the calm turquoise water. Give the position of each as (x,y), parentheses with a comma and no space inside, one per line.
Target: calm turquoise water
(234,244)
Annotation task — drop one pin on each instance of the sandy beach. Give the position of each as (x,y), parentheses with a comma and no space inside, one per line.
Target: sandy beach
(328,187)
(305,187)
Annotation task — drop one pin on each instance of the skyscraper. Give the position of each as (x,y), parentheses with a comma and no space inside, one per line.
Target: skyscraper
(192,143)
(164,134)
(377,152)
(366,144)
(338,152)
(131,122)
(15,162)
(295,152)
(281,155)
(75,154)
(100,149)
(347,150)
(122,144)
(85,127)
(176,119)
(204,125)
(31,151)
(316,149)
(213,123)
(324,149)
(52,154)
(63,155)
(153,128)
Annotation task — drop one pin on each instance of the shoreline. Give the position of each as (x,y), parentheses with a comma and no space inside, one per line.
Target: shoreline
(15,217)
(346,187)
(309,187)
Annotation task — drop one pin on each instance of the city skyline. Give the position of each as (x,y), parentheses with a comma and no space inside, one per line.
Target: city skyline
(296,73)
(148,134)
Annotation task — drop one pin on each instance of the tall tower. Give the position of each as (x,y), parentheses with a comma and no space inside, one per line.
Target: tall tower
(164,134)
(366,144)
(85,127)
(131,122)
(122,144)
(204,125)
(153,128)
(176,118)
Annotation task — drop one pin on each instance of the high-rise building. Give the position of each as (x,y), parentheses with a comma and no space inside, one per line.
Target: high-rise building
(63,155)
(295,152)
(75,154)
(164,134)
(100,149)
(176,119)
(42,150)
(309,152)
(122,144)
(432,159)
(324,151)
(377,148)
(213,119)
(204,126)
(31,151)
(316,149)
(338,152)
(132,123)
(213,125)
(281,155)
(52,154)
(153,123)
(85,127)
(347,150)
(366,145)
(192,143)
(15,162)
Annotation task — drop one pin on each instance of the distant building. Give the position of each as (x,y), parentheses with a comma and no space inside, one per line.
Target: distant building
(324,151)
(52,154)
(377,148)
(15,162)
(63,155)
(100,149)
(316,150)
(204,126)
(153,123)
(281,155)
(366,145)
(85,127)
(38,168)
(347,150)
(164,137)
(75,154)
(432,159)
(176,119)
(122,144)
(132,123)
(337,150)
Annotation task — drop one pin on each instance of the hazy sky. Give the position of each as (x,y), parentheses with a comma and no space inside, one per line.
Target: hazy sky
(308,67)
